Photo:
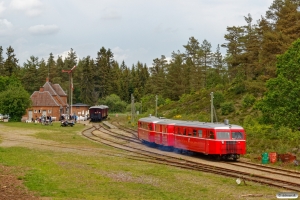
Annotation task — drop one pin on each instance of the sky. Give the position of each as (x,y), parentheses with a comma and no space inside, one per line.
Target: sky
(134,30)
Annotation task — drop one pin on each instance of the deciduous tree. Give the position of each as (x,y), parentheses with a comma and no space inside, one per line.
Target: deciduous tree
(281,103)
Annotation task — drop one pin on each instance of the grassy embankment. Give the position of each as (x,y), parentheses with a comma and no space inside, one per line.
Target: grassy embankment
(102,174)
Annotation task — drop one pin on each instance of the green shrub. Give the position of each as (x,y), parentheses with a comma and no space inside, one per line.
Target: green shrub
(114,103)
(227,107)
(218,99)
(248,100)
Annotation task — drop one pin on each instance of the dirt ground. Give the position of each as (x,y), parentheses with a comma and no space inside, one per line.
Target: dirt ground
(11,187)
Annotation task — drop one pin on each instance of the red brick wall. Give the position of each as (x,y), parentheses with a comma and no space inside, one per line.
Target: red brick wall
(77,109)
(54,112)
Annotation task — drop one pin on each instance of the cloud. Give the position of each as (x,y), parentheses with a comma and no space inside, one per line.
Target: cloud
(43,30)
(31,7)
(5,27)
(120,54)
(111,15)
(2,7)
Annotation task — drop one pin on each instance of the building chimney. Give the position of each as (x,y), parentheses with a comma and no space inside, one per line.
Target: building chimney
(41,89)
(47,79)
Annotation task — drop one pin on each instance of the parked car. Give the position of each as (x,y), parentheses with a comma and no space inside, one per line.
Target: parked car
(6,117)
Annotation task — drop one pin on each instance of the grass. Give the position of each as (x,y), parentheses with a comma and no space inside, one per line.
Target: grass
(72,175)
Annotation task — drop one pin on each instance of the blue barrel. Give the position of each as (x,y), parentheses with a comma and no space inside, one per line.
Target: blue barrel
(265,158)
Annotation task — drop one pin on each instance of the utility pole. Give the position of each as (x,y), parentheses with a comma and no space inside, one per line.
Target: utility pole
(155,105)
(132,108)
(211,107)
(71,87)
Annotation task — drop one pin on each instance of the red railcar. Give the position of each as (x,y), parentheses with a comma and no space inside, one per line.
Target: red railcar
(222,140)
(146,131)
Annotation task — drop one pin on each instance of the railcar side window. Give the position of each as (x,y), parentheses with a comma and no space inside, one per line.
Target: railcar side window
(180,131)
(237,135)
(194,132)
(157,128)
(200,133)
(223,135)
(211,135)
(189,131)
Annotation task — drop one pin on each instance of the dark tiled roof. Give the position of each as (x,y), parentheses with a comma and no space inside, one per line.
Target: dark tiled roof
(47,87)
(58,90)
(43,99)
(49,95)
(80,104)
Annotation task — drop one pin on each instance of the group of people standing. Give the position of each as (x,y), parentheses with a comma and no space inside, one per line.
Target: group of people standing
(70,117)
(42,119)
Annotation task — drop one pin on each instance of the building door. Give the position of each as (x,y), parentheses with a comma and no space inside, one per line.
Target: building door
(44,113)
(29,115)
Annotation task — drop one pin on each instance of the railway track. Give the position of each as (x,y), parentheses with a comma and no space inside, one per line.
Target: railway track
(286,179)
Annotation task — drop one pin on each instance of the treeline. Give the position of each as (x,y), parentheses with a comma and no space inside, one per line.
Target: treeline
(250,61)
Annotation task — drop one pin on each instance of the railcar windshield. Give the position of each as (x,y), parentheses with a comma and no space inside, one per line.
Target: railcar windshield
(237,135)
(223,135)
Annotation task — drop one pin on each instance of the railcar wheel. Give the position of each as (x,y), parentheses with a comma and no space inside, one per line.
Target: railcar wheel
(218,157)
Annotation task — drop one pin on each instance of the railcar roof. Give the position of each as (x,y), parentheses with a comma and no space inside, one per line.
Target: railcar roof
(99,106)
(207,125)
(151,119)
(195,124)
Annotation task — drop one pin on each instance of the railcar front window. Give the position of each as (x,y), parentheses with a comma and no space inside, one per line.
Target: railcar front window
(223,135)
(237,135)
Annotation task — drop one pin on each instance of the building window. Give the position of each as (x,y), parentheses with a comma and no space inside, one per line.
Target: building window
(39,111)
(35,111)
(49,111)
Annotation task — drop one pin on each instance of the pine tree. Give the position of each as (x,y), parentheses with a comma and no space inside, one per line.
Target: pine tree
(157,78)
(219,71)
(125,82)
(1,61)
(61,77)
(116,76)
(193,53)
(52,69)
(11,63)
(43,71)
(103,78)
(252,44)
(282,20)
(175,79)
(235,48)
(87,81)
(30,78)
(205,59)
